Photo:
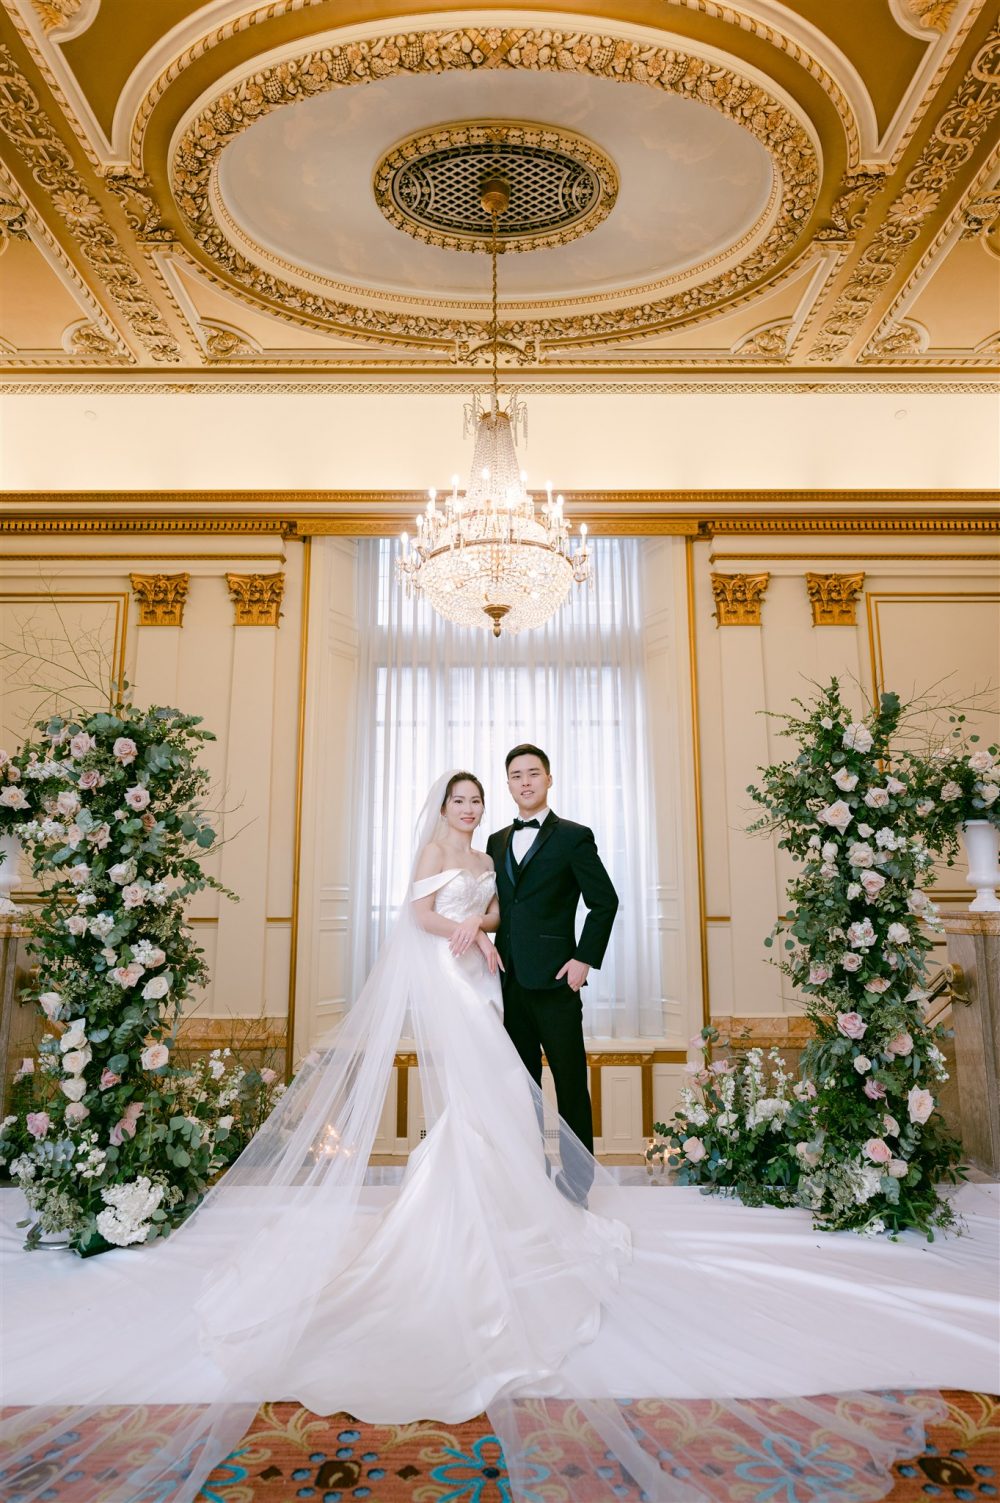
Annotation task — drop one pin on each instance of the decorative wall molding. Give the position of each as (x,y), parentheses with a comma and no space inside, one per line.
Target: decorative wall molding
(738,598)
(161,598)
(257,598)
(834,598)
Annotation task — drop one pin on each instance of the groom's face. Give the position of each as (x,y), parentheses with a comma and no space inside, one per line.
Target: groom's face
(529,783)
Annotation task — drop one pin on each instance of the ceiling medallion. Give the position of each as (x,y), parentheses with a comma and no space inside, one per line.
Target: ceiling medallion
(561,185)
(487,558)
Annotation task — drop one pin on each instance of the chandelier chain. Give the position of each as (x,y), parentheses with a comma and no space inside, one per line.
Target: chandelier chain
(494,217)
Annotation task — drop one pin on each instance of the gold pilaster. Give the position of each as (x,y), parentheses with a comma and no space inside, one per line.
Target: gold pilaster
(738,598)
(161,598)
(834,598)
(257,598)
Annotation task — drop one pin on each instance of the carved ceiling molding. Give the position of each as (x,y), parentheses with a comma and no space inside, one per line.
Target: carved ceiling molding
(954,137)
(29,225)
(926,82)
(27,127)
(955,227)
(601,385)
(927,15)
(65,17)
(197,152)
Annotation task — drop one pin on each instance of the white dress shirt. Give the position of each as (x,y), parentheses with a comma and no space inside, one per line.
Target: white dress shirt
(523,840)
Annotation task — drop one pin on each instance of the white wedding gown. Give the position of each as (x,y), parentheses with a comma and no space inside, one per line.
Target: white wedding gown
(475,1285)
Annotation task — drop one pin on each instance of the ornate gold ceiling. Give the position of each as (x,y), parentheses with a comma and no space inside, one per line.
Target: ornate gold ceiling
(806,192)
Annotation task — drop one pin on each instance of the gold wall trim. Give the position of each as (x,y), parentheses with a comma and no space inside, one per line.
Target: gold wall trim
(81,556)
(868,556)
(699,822)
(300,748)
(627,379)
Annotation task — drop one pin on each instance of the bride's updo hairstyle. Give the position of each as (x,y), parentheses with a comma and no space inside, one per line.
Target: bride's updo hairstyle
(462,777)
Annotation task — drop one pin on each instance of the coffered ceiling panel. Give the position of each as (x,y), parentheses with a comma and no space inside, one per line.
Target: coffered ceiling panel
(209,193)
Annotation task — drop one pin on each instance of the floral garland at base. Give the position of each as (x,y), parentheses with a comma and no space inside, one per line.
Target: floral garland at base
(110,808)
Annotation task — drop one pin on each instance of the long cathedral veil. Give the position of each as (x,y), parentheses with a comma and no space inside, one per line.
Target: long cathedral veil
(224,1314)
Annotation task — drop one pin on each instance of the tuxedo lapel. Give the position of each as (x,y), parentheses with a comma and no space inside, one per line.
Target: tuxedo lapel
(544,834)
(507,837)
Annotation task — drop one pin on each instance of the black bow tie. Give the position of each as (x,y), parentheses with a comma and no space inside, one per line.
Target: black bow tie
(527,824)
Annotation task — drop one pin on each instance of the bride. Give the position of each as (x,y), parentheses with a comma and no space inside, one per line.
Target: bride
(595,1334)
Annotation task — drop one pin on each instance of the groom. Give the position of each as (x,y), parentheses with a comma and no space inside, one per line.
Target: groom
(544,865)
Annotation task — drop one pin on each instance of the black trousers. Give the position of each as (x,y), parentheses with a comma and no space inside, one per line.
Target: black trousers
(551,1020)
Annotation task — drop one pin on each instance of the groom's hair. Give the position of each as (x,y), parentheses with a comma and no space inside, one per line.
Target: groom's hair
(527,750)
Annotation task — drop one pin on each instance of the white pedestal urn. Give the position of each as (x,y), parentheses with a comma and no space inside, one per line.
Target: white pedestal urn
(982,846)
(11,873)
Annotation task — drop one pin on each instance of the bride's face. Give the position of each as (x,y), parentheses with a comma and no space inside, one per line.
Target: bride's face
(464,808)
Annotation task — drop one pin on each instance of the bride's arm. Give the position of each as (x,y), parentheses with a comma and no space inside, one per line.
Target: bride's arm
(461,935)
(490,921)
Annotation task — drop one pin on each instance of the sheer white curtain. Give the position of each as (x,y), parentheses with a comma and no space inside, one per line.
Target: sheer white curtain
(433,696)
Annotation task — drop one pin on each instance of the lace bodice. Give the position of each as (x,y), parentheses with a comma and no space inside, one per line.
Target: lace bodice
(459,892)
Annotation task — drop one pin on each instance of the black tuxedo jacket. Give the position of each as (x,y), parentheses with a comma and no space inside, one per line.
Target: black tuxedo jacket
(538,902)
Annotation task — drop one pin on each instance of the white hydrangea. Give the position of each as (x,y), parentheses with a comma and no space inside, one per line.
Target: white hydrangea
(130,1206)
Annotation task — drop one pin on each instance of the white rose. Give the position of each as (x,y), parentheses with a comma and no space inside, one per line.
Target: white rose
(894,786)
(50,1003)
(845,780)
(951,791)
(898,1168)
(858,737)
(74,1089)
(75,1036)
(988,792)
(829,851)
(133,896)
(924,807)
(853,891)
(76,1112)
(860,854)
(81,744)
(877,798)
(77,924)
(155,988)
(873,883)
(67,803)
(898,934)
(11,797)
(79,873)
(137,797)
(154,1056)
(694,1150)
(826,723)
(980,760)
(864,831)
(225,1122)
(122,872)
(837,814)
(75,1061)
(862,1063)
(919,1104)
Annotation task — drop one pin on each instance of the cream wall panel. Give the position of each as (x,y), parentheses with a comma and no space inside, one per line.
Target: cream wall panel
(668,1081)
(621,1109)
(277,953)
(284,757)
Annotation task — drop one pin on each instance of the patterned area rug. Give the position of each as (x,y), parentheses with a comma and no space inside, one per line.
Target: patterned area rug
(289,1453)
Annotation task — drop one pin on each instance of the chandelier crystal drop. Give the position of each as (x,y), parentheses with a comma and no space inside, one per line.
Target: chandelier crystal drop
(488,557)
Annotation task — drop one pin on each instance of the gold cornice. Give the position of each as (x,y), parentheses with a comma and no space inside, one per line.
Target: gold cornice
(699,515)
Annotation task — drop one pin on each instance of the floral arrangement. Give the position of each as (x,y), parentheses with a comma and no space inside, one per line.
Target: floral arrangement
(110,808)
(870,1148)
(729,1130)
(961,780)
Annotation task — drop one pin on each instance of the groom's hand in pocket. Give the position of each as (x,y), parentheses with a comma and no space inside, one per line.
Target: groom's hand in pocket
(575,972)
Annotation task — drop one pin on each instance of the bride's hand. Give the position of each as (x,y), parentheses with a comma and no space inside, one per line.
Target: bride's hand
(490,953)
(466,934)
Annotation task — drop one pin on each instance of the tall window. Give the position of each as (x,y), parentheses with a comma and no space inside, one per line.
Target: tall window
(434,697)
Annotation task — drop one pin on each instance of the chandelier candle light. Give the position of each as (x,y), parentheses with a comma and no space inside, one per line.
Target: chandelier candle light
(487,557)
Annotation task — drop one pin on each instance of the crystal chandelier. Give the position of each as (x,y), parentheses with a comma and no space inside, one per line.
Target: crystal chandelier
(488,556)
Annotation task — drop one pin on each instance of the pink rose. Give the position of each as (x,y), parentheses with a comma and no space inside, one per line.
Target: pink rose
(125,750)
(873,883)
(134,895)
(270,1076)
(898,1168)
(76,1112)
(919,1104)
(818,974)
(38,1123)
(901,1045)
(890,1125)
(878,984)
(13,798)
(109,1079)
(852,1025)
(81,744)
(26,1067)
(128,975)
(77,924)
(67,802)
(154,1057)
(137,797)
(126,1126)
(79,873)
(90,778)
(694,1150)
(874,1090)
(851,961)
(878,1150)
